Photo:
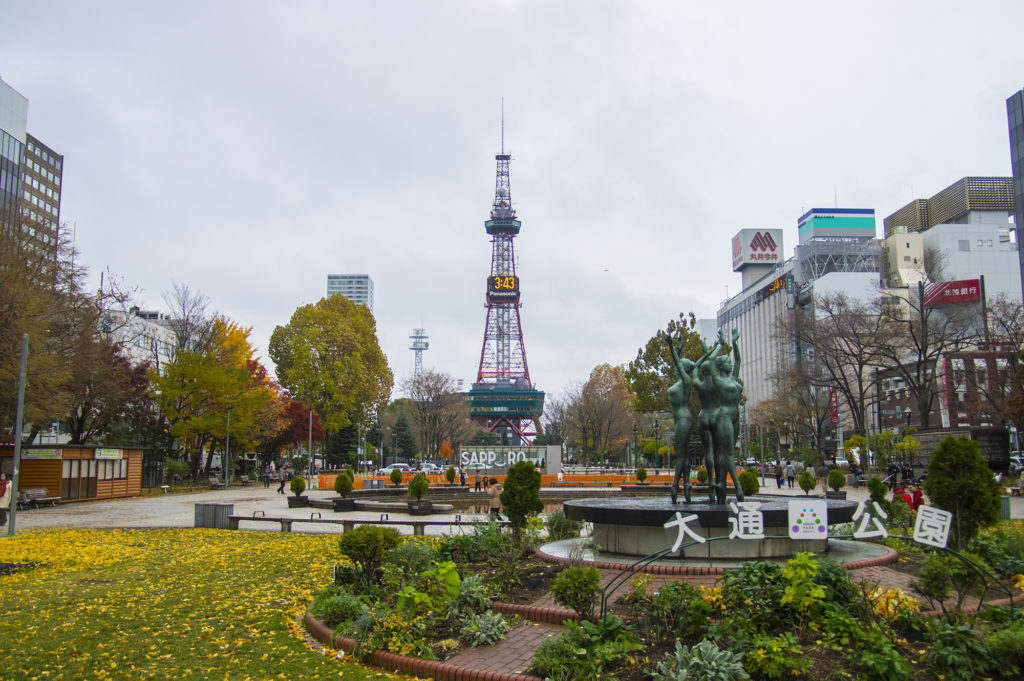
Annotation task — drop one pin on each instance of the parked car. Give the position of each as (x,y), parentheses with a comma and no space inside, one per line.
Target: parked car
(404,467)
(1016,464)
(430,468)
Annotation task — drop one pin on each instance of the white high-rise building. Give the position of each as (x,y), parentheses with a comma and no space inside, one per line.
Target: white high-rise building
(356,287)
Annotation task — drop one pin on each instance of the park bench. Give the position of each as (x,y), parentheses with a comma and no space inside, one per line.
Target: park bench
(217,483)
(246,482)
(34,496)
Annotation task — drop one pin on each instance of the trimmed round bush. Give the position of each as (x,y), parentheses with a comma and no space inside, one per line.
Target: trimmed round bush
(577,588)
(749,482)
(297,485)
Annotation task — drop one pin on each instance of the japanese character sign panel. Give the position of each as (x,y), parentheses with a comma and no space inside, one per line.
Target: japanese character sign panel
(932,526)
(808,519)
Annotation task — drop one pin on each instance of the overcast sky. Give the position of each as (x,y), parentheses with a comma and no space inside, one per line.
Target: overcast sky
(248,149)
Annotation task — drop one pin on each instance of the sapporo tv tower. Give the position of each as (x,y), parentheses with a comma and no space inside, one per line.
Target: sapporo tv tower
(503,400)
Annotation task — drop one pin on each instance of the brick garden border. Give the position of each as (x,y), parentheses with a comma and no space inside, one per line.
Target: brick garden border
(414,666)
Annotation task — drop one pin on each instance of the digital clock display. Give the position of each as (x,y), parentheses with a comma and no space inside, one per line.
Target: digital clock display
(502,283)
(503,288)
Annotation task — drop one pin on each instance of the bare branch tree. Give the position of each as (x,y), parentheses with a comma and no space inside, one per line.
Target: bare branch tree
(437,410)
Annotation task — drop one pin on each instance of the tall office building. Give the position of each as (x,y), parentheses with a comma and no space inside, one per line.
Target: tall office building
(30,177)
(356,287)
(1015,118)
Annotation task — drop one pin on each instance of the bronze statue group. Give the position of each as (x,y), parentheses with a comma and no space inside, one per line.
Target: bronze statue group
(716,379)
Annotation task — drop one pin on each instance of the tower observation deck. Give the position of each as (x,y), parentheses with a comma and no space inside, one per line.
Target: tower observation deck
(503,399)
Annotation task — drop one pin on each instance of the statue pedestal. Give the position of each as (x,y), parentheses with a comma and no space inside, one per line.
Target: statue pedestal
(635,527)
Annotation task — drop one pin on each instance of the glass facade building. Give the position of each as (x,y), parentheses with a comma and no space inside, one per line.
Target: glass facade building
(30,177)
(1015,118)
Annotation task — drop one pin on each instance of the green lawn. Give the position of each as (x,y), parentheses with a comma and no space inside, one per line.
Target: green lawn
(153,604)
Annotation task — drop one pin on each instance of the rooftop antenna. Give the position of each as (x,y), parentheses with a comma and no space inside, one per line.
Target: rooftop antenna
(502,125)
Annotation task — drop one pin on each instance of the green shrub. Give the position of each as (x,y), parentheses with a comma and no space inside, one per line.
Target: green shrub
(840,592)
(749,482)
(559,527)
(583,651)
(806,481)
(676,610)
(1007,646)
(366,546)
(942,575)
(484,629)
(339,610)
(408,560)
(563,658)
(957,653)
(638,586)
(1002,548)
(297,485)
(520,497)
(449,475)
(343,482)
(578,588)
(703,661)
(753,594)
(418,486)
(778,657)
(702,475)
(474,597)
(836,479)
(641,474)
(881,662)
(879,493)
(802,591)
(959,481)
(395,477)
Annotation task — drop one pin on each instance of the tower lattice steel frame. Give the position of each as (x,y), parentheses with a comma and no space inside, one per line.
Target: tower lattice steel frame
(503,398)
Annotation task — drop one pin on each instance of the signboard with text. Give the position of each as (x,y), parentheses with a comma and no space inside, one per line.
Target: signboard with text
(952,292)
(756,247)
(500,457)
(46,454)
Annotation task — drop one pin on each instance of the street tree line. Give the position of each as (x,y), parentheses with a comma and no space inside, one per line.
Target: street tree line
(858,346)
(182,406)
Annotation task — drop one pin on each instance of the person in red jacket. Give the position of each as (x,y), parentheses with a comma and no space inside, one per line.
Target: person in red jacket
(904,496)
(918,497)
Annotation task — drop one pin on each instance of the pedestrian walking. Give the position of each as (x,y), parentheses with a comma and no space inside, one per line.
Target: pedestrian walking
(494,494)
(462,477)
(778,473)
(283,477)
(476,482)
(266,477)
(790,473)
(823,476)
(5,498)
(891,471)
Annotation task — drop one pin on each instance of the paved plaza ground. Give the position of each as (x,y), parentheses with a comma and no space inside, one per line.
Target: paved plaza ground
(178,509)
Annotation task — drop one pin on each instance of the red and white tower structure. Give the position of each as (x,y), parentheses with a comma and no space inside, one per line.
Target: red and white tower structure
(503,399)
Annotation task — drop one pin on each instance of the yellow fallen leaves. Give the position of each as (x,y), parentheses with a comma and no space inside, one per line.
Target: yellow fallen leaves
(150,604)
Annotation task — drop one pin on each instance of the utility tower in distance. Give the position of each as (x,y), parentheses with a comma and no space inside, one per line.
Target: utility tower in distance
(419,344)
(503,399)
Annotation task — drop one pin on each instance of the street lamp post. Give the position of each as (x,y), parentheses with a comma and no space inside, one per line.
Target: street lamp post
(657,442)
(227,450)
